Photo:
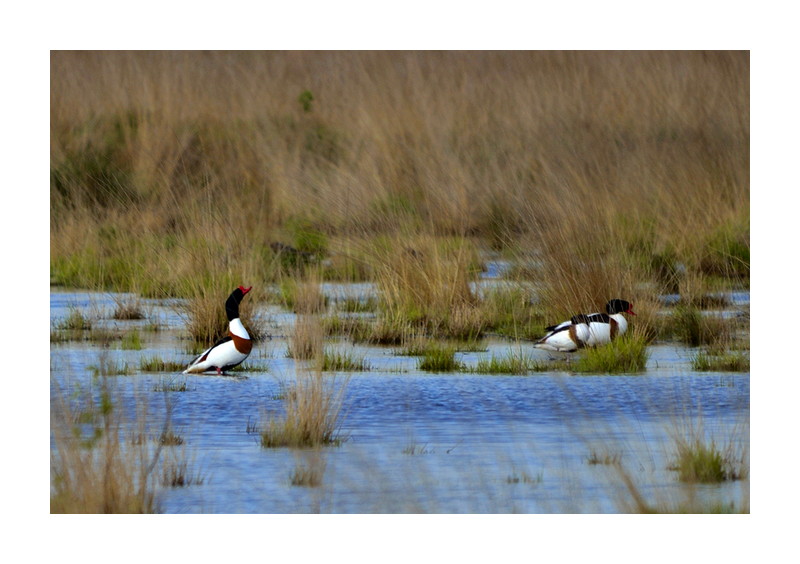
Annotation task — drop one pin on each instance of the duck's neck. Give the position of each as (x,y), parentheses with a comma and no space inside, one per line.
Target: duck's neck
(238,329)
(621,322)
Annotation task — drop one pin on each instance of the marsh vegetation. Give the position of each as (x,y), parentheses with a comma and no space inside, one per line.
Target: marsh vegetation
(415,219)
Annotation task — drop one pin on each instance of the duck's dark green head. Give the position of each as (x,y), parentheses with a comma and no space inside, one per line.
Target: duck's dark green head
(232,304)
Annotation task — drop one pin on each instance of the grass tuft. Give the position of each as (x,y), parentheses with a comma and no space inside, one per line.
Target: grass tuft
(440,358)
(75,321)
(342,362)
(513,363)
(725,361)
(131,341)
(156,364)
(312,414)
(626,354)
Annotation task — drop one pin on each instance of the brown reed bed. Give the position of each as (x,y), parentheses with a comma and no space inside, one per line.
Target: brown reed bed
(608,169)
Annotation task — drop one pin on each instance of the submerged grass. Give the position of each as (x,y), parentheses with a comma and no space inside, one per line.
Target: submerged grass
(93,468)
(342,361)
(724,361)
(312,414)
(131,341)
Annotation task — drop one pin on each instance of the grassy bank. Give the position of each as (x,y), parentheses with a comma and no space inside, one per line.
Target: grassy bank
(175,173)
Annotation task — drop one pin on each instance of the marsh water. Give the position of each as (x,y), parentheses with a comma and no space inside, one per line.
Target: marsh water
(415,441)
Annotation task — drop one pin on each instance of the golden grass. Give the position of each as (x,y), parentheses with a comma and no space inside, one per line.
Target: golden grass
(98,470)
(604,169)
(312,413)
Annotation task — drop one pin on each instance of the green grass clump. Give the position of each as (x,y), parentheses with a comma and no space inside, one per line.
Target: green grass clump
(108,367)
(312,416)
(128,309)
(695,329)
(700,461)
(725,361)
(511,364)
(626,354)
(75,321)
(131,341)
(342,362)
(440,358)
(156,364)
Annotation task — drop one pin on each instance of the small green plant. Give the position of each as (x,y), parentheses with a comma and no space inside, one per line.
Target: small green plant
(337,361)
(305,98)
(108,367)
(308,239)
(156,364)
(725,361)
(75,321)
(440,358)
(700,459)
(626,354)
(702,462)
(131,341)
(511,364)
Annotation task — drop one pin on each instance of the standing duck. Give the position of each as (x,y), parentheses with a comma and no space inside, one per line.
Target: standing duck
(232,349)
(590,330)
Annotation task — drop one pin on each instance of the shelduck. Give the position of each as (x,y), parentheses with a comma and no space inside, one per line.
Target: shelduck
(587,330)
(232,349)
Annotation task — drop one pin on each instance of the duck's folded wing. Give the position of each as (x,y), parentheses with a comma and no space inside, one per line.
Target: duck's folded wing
(561,326)
(203,355)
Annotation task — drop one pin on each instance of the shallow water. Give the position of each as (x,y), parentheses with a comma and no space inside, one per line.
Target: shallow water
(417,441)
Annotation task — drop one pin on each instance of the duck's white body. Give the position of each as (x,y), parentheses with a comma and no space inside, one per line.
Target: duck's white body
(226,353)
(587,330)
(564,337)
(232,349)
